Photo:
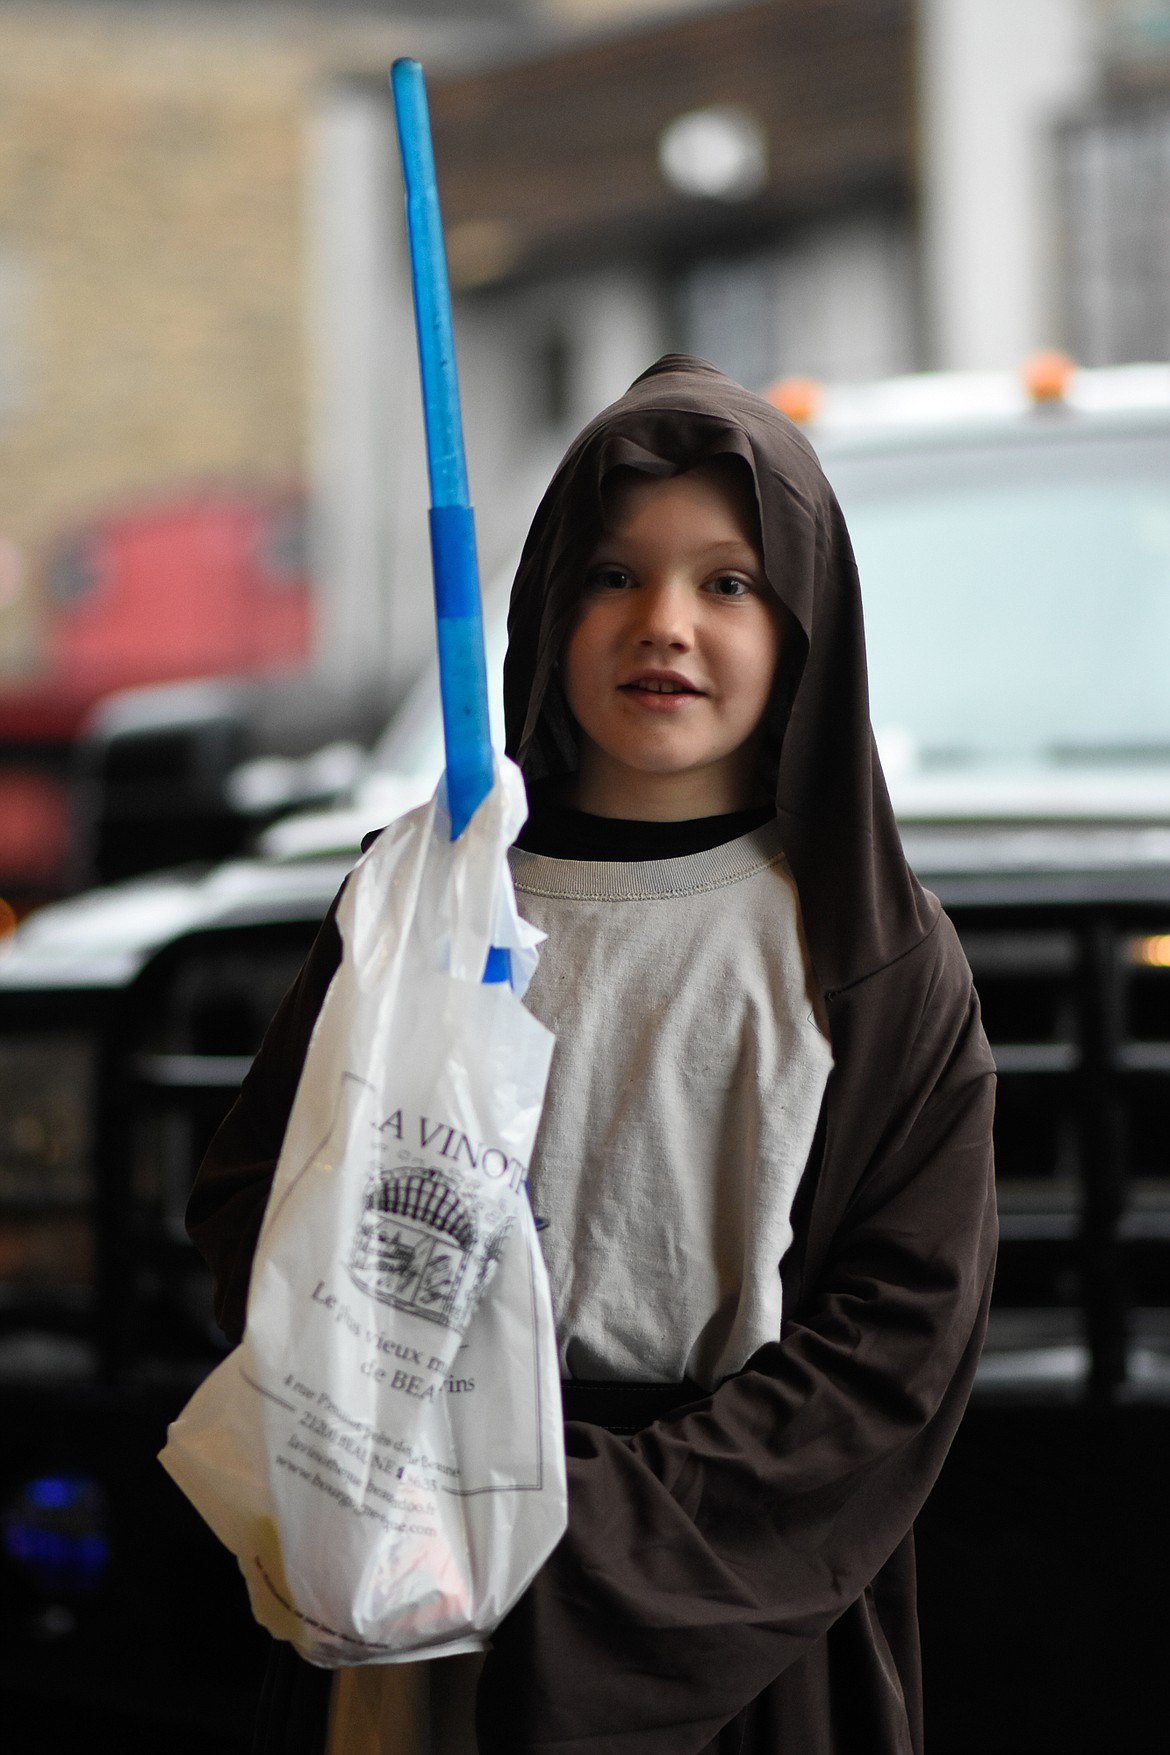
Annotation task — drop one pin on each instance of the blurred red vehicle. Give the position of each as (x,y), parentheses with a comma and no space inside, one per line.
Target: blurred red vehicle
(207,585)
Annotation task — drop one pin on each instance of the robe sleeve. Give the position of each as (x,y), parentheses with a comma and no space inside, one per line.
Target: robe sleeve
(231,1188)
(709,1553)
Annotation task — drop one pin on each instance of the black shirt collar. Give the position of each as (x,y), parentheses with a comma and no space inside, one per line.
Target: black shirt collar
(558,831)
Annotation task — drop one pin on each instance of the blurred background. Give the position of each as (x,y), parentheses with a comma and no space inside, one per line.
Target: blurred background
(210,459)
(214,595)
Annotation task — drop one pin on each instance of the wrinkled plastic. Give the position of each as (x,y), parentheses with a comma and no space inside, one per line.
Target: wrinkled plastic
(383,1452)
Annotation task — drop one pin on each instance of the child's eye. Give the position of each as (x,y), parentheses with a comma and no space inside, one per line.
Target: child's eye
(609,579)
(729,585)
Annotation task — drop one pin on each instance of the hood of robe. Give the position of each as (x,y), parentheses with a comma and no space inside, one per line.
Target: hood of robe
(861,904)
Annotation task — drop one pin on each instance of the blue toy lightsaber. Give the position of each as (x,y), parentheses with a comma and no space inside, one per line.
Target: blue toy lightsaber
(458,612)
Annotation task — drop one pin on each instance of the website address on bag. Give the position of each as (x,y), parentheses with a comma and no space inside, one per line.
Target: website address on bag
(351,1504)
(407,1502)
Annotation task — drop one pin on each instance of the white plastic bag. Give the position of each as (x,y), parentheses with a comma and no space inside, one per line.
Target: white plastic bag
(383,1452)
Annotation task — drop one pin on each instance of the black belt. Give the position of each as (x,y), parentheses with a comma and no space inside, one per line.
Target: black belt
(626,1407)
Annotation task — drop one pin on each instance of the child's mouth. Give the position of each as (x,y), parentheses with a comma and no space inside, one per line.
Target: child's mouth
(662,689)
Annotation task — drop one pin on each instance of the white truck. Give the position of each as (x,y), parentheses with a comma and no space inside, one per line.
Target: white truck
(1015,563)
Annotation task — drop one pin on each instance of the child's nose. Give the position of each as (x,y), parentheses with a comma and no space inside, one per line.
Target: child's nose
(666,617)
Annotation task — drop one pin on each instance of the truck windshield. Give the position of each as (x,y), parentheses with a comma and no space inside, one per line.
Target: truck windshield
(1017,597)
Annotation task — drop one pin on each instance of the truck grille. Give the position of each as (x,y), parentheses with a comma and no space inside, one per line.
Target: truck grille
(1075,989)
(103,1129)
(1076,1003)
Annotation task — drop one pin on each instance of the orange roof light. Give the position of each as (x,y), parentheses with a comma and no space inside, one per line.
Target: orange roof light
(1046,375)
(799,398)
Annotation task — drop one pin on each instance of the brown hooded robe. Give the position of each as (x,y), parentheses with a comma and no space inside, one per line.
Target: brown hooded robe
(740,1576)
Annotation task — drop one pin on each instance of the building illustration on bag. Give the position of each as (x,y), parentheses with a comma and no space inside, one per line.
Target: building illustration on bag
(419,1248)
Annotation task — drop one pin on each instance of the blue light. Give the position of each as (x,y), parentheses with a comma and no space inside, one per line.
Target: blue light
(39,1548)
(56,1528)
(54,1491)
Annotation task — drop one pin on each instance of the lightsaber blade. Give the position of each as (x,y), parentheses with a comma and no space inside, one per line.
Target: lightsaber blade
(458,607)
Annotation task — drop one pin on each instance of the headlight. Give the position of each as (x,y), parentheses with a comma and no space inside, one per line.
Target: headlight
(1152,951)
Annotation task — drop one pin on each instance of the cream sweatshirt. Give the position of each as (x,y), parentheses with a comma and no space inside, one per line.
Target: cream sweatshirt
(686,1084)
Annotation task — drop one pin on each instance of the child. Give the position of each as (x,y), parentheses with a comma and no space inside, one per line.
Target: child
(764,1164)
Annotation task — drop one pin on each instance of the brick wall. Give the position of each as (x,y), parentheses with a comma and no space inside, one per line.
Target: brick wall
(151,255)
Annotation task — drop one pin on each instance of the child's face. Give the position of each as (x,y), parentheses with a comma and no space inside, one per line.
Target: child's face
(669,668)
